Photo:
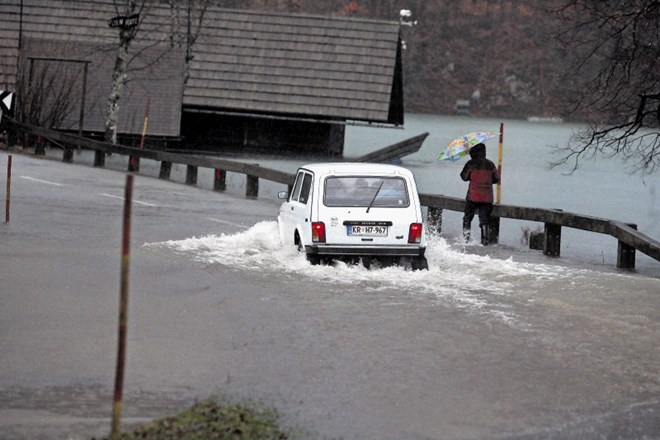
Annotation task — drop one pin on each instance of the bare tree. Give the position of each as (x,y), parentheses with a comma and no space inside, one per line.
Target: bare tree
(128,29)
(187,19)
(47,89)
(615,46)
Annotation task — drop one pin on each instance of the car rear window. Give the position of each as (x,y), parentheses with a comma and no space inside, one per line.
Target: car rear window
(385,192)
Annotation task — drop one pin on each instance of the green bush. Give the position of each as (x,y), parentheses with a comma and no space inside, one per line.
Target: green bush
(211,420)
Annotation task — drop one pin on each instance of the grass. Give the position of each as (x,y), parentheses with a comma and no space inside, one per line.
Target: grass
(210,420)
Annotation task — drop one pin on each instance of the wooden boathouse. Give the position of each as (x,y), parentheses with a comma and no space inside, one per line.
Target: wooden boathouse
(252,81)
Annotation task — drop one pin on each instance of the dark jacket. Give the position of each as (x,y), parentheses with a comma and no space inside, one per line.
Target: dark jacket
(482,175)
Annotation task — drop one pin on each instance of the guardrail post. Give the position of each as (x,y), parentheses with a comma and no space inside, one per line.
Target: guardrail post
(625,256)
(552,244)
(434,220)
(8,193)
(39,148)
(12,137)
(536,240)
(219,180)
(165,170)
(133,164)
(191,175)
(252,188)
(67,156)
(99,158)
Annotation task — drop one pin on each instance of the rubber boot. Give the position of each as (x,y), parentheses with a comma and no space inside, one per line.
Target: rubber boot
(466,235)
(485,234)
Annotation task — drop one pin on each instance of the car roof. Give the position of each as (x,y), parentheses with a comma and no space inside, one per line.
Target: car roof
(355,168)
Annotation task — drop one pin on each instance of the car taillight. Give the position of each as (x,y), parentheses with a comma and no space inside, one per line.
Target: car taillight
(415,233)
(318,232)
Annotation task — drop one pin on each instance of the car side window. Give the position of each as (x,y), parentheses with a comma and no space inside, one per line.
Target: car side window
(305,190)
(296,187)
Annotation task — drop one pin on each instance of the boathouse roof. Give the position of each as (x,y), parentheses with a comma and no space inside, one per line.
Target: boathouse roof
(293,66)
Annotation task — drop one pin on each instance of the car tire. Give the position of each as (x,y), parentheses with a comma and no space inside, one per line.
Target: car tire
(419,263)
(388,261)
(314,260)
(367,262)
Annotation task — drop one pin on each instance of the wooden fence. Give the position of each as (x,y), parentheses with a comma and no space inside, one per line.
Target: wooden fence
(629,239)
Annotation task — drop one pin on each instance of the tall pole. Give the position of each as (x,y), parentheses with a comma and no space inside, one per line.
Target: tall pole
(8,189)
(134,161)
(123,310)
(81,122)
(499,163)
(145,125)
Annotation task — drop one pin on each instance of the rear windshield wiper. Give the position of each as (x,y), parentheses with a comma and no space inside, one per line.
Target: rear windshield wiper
(375,195)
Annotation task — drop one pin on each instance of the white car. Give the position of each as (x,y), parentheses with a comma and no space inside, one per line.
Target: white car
(354,211)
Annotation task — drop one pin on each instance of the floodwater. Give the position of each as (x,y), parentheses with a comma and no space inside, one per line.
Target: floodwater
(493,342)
(601,187)
(489,343)
(467,276)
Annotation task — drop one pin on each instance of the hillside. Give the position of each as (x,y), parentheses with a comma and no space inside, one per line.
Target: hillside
(496,55)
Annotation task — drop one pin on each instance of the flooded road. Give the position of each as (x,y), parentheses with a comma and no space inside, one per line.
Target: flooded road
(490,343)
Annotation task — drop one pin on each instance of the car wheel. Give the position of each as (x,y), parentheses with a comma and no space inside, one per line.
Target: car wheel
(388,261)
(419,263)
(313,259)
(367,262)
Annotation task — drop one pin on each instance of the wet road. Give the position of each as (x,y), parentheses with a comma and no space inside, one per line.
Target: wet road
(516,351)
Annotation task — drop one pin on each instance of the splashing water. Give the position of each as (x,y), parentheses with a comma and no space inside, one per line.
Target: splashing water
(467,280)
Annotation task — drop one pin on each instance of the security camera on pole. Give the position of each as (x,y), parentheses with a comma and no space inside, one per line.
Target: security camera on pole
(405,19)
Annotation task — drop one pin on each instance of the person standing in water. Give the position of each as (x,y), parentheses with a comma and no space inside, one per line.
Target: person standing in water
(482,175)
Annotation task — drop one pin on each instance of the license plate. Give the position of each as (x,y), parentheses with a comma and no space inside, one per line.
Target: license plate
(367,231)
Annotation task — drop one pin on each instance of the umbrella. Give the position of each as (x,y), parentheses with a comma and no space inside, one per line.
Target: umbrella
(460,146)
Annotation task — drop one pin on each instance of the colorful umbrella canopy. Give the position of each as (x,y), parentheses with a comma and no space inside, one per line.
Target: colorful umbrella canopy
(460,146)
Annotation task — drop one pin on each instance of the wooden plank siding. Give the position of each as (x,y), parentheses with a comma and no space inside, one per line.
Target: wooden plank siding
(78,31)
(257,81)
(315,66)
(159,82)
(9,30)
(245,61)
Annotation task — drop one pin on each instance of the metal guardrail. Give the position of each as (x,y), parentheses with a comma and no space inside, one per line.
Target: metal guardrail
(629,239)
